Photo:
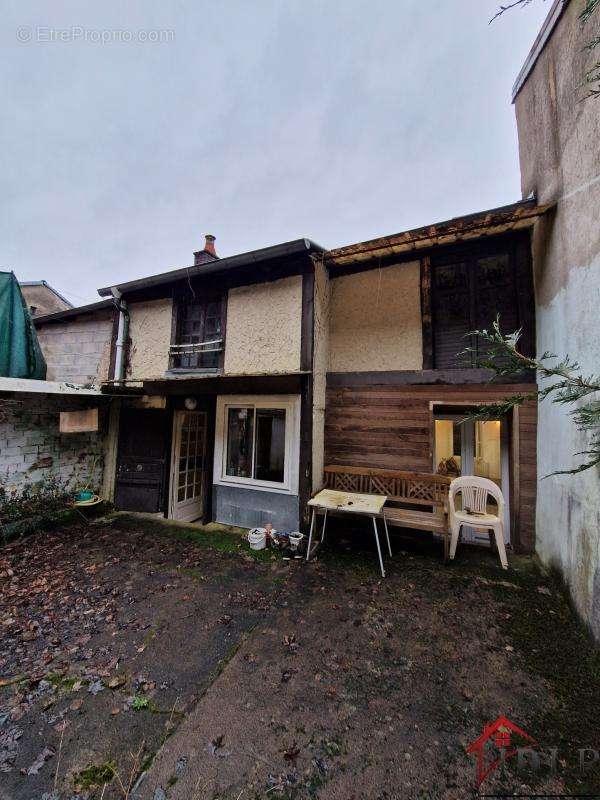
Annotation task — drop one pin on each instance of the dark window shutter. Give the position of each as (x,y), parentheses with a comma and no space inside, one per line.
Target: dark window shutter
(451,313)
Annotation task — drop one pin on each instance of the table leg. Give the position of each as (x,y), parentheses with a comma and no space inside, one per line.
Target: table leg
(323,531)
(387,535)
(378,547)
(312,526)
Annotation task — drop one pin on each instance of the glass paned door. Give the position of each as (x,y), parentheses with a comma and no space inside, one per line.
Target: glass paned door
(187,465)
(474,448)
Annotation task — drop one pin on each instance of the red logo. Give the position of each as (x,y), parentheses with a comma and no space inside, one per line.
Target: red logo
(493,747)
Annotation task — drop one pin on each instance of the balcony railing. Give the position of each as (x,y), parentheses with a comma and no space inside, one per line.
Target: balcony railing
(198,356)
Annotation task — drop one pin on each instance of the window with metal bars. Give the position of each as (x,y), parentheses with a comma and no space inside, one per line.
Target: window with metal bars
(199,340)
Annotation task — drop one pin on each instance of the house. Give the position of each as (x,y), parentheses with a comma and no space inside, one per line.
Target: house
(235,380)
(41,298)
(559,131)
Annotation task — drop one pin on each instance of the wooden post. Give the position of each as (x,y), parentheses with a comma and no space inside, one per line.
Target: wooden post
(426,321)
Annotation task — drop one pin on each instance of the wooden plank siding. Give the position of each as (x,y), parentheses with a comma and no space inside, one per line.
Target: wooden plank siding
(391,427)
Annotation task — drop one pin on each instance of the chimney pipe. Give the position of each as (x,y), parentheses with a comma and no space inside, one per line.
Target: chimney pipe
(209,245)
(208,252)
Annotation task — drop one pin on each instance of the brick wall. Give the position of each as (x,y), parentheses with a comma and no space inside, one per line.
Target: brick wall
(32,448)
(77,350)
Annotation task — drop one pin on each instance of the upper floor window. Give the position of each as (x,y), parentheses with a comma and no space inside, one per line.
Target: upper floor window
(468,293)
(199,336)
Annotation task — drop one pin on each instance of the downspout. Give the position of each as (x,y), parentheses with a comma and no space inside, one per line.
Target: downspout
(122,333)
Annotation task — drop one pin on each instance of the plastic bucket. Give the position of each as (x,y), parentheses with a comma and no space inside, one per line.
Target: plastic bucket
(296,539)
(257,539)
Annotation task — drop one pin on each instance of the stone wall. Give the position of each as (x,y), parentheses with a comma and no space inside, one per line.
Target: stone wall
(78,349)
(32,449)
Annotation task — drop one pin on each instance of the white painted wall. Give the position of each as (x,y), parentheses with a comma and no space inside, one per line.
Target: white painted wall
(559,133)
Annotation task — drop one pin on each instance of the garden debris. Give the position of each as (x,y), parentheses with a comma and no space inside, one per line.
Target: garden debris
(216,748)
(96,687)
(8,748)
(46,754)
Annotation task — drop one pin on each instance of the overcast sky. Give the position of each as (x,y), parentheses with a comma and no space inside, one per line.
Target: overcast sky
(258,121)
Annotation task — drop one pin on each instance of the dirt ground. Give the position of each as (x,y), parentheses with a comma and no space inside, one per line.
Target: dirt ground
(157,662)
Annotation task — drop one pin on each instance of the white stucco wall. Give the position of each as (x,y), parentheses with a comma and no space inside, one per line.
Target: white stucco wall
(568,506)
(375,320)
(150,337)
(264,327)
(558,144)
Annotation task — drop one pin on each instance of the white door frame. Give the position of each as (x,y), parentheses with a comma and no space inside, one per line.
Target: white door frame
(467,458)
(193,508)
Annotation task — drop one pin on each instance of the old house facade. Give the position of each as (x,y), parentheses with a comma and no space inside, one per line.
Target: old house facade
(559,133)
(235,381)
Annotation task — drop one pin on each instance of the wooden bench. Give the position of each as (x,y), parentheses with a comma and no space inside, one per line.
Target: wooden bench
(425,492)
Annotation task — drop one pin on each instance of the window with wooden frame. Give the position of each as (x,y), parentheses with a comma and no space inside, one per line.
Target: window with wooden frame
(257,442)
(469,289)
(198,335)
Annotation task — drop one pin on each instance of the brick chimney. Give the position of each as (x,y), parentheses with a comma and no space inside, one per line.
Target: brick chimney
(208,253)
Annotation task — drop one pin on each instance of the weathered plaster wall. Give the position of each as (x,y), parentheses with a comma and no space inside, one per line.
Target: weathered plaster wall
(558,145)
(77,349)
(264,327)
(375,320)
(32,448)
(150,337)
(320,362)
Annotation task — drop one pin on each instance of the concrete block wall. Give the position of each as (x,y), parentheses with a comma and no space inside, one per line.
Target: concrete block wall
(32,448)
(78,350)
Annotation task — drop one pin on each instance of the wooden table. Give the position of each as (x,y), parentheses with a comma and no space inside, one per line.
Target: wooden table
(369,505)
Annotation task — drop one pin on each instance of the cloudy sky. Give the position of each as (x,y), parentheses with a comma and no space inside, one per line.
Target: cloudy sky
(258,121)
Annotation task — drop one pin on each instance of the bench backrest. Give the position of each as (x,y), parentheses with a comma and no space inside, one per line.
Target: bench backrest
(419,488)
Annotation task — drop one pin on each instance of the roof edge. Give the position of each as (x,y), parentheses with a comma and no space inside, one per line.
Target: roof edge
(551,21)
(74,311)
(415,239)
(219,265)
(47,285)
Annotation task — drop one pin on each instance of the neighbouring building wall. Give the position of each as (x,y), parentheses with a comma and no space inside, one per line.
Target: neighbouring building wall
(558,144)
(150,338)
(320,363)
(375,320)
(43,299)
(77,349)
(263,330)
(32,449)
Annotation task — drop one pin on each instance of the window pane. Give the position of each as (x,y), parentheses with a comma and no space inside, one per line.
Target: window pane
(448,447)
(240,426)
(270,445)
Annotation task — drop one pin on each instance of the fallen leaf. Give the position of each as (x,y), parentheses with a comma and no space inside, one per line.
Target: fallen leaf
(76,704)
(46,754)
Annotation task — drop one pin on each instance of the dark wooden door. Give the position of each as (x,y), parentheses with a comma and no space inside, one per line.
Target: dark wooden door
(141,460)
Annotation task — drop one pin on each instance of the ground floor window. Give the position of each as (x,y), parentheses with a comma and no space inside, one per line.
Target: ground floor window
(257,441)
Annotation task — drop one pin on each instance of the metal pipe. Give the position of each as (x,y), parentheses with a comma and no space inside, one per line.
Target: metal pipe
(122,333)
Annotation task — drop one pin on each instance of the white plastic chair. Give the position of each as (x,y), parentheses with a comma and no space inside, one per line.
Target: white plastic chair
(474,492)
